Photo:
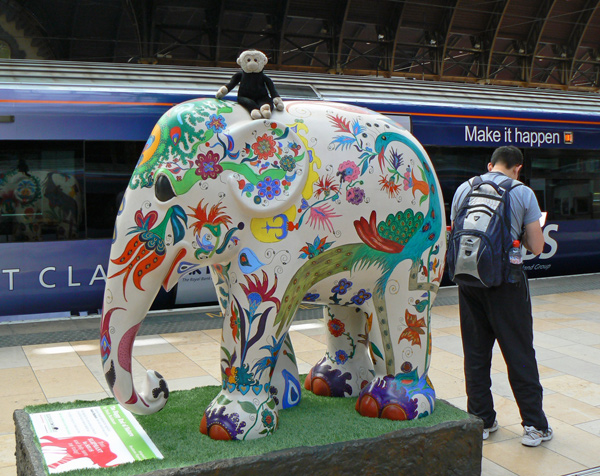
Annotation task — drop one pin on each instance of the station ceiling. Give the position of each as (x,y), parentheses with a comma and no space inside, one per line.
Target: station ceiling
(538,43)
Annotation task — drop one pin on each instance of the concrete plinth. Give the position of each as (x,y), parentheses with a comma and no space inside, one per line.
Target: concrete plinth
(452,448)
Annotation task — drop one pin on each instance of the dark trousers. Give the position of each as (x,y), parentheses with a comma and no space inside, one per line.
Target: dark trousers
(504,314)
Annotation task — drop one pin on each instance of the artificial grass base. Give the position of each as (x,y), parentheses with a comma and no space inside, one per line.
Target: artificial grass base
(316,421)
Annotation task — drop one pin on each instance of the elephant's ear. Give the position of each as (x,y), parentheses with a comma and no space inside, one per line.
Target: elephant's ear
(271,169)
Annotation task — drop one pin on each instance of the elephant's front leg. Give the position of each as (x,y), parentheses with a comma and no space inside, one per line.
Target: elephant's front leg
(245,408)
(346,366)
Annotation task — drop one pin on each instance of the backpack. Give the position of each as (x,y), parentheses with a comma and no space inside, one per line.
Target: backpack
(480,239)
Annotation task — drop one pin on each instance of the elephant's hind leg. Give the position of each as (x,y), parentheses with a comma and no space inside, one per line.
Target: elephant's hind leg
(404,392)
(346,366)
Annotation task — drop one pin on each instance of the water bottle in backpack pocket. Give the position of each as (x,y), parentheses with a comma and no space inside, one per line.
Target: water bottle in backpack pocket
(515,263)
(480,238)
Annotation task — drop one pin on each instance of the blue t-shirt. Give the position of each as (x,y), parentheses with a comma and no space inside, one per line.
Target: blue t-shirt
(524,208)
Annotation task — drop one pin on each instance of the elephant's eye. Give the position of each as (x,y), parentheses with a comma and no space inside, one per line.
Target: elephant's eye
(163,189)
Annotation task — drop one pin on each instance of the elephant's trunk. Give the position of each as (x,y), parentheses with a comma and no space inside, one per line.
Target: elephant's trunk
(128,296)
(118,331)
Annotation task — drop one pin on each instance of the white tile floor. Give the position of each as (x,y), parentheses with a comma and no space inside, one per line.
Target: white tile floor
(567,340)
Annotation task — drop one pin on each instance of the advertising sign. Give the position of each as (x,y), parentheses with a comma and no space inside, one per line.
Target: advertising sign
(196,287)
(95,437)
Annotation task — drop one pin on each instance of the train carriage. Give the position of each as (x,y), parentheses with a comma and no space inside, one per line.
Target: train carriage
(71,134)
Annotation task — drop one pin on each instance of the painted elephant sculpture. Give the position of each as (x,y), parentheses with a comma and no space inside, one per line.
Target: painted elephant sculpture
(324,202)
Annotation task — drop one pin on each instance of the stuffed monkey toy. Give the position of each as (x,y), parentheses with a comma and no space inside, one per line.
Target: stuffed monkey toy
(257,92)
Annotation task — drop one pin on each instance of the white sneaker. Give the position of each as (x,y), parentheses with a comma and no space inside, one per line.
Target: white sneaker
(534,437)
(492,429)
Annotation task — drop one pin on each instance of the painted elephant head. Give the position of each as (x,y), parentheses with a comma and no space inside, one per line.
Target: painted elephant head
(324,202)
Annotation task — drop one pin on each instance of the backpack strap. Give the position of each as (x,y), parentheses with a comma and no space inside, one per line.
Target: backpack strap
(509,184)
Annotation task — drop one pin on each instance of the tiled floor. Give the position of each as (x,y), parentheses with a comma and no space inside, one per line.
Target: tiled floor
(567,340)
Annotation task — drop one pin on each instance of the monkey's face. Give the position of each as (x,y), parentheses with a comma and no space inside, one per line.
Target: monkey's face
(252,61)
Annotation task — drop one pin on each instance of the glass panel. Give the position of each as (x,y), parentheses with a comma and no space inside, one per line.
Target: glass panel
(108,167)
(5,52)
(41,195)
(455,165)
(566,182)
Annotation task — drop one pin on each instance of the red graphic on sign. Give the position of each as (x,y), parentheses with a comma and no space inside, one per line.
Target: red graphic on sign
(96,449)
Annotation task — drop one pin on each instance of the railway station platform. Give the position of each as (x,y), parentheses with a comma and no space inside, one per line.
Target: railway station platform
(60,361)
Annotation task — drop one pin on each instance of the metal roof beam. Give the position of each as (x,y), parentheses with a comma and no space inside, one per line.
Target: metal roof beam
(340,25)
(588,11)
(399,15)
(534,37)
(280,20)
(494,24)
(446,28)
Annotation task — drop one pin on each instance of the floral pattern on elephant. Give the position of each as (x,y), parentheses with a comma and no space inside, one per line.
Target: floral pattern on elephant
(327,203)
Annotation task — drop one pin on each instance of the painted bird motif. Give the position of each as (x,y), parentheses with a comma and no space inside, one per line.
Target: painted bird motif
(381,246)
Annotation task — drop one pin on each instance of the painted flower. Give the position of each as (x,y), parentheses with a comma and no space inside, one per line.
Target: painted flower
(361,296)
(294,147)
(397,159)
(342,287)
(268,419)
(288,163)
(348,171)
(216,123)
(147,249)
(234,323)
(408,183)
(269,188)
(341,357)
(355,195)
(310,297)
(390,186)
(231,373)
(264,147)
(321,217)
(213,218)
(315,248)
(273,392)
(326,186)
(336,327)
(269,361)
(258,292)
(208,165)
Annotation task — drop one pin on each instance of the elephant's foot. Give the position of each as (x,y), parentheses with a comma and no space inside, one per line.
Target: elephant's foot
(329,379)
(397,398)
(238,417)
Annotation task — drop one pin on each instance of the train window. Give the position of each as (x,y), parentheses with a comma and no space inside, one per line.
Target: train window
(41,194)
(454,165)
(108,167)
(566,182)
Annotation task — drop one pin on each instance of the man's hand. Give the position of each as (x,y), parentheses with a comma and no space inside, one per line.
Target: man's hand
(533,238)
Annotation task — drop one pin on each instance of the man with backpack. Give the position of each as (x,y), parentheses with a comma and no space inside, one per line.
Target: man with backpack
(489,213)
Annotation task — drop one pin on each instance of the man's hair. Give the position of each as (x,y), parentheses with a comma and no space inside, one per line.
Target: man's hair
(508,155)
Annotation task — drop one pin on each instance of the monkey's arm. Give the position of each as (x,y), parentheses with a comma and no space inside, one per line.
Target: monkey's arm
(235,80)
(277,102)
